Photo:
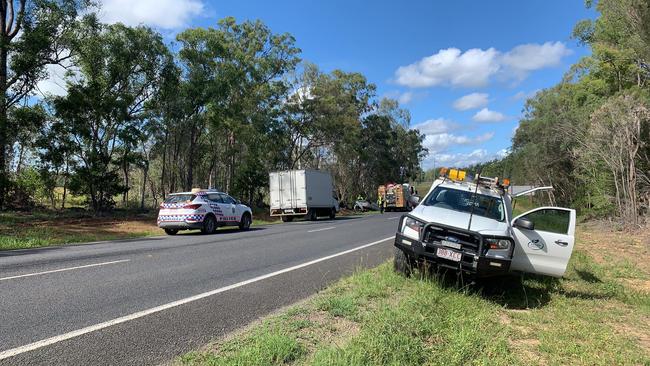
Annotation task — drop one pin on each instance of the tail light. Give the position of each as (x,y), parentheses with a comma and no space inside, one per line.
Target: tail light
(192,207)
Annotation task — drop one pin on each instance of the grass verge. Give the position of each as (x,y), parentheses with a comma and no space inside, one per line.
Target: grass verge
(24,230)
(599,314)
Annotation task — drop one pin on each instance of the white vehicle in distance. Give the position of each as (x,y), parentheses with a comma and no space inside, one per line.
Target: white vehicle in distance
(469,227)
(202,209)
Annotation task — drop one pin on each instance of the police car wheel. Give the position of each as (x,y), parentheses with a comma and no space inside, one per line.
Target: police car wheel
(245,222)
(402,263)
(171,231)
(209,225)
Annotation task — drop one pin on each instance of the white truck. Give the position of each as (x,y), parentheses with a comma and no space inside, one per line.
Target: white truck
(469,227)
(302,193)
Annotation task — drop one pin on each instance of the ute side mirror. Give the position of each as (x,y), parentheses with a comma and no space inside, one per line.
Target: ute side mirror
(523,223)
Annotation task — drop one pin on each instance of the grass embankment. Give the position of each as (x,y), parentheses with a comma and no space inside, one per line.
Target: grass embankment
(22,230)
(599,314)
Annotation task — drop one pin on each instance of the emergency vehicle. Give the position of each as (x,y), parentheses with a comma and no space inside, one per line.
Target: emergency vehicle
(468,226)
(203,209)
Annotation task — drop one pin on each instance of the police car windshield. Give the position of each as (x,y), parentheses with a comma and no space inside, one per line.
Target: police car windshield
(459,200)
(180,198)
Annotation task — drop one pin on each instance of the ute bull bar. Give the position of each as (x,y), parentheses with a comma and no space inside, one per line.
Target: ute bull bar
(470,244)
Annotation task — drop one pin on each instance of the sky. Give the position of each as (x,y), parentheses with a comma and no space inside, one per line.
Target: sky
(463,68)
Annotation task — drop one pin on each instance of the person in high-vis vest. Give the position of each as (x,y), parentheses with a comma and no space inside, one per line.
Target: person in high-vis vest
(381,202)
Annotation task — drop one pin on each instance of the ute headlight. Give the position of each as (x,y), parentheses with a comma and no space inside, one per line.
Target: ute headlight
(412,228)
(498,243)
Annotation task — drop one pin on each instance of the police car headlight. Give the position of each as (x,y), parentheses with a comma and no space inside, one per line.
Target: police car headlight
(412,228)
(498,243)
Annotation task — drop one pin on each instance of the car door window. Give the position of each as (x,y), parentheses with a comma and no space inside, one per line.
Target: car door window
(550,220)
(228,199)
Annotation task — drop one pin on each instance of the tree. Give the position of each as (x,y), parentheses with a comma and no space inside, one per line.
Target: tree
(33,34)
(104,110)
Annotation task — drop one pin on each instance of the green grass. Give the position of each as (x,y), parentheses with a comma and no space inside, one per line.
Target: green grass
(377,317)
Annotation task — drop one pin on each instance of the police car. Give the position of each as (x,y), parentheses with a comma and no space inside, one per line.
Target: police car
(468,226)
(204,210)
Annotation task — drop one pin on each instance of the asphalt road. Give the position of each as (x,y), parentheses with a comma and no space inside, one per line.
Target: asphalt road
(146,301)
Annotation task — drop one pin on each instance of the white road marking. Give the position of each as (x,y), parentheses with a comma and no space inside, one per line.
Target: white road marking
(79,332)
(393,218)
(63,269)
(323,229)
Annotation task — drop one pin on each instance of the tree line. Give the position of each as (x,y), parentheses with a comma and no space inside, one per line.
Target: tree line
(589,136)
(219,107)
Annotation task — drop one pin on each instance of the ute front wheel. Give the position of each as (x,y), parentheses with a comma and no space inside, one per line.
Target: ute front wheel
(402,263)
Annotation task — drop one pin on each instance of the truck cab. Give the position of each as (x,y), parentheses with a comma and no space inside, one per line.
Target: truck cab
(468,226)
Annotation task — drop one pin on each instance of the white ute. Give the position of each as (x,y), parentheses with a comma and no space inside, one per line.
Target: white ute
(202,209)
(468,227)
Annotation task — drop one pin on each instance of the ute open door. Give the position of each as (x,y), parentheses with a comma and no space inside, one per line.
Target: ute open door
(544,240)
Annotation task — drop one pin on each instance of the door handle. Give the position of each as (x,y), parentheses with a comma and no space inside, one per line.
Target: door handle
(561,243)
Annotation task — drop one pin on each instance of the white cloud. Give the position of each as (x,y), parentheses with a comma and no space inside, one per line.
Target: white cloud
(459,160)
(165,14)
(475,67)
(472,68)
(471,101)
(522,95)
(486,115)
(405,98)
(440,142)
(55,84)
(435,126)
(530,57)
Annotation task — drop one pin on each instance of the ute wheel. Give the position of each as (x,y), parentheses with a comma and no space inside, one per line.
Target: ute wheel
(402,263)
(333,213)
(209,225)
(245,222)
(287,218)
(171,231)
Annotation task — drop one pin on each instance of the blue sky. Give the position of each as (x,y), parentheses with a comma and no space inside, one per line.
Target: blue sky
(427,54)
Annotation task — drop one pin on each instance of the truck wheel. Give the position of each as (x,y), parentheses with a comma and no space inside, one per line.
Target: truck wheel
(287,218)
(245,222)
(171,231)
(209,225)
(312,216)
(333,214)
(402,263)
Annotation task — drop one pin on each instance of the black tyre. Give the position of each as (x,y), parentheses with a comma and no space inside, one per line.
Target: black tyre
(333,213)
(171,231)
(311,215)
(245,222)
(287,218)
(209,225)
(402,263)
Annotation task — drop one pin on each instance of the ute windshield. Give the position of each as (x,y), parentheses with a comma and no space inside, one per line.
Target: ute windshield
(458,200)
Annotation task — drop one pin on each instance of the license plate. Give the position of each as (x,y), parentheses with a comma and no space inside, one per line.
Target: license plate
(449,254)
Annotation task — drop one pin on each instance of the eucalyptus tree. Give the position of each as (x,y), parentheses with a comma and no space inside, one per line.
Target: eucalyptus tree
(119,69)
(33,34)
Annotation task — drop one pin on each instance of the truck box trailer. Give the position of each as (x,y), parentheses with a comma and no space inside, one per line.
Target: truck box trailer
(302,193)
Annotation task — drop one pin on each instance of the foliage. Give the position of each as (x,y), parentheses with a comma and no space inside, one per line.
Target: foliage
(589,136)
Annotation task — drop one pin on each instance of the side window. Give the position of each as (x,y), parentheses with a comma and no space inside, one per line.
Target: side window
(226,199)
(552,221)
(215,197)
